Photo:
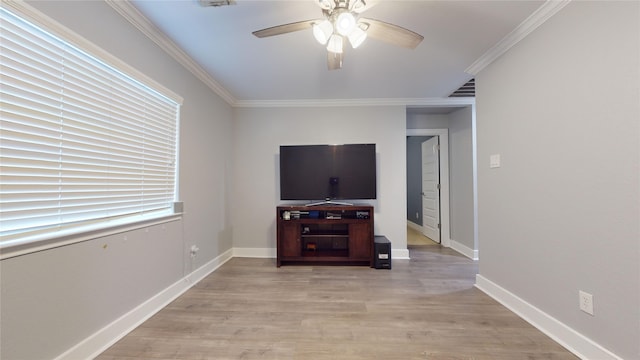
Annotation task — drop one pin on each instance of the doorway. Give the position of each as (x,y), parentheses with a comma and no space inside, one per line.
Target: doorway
(458,193)
(441,136)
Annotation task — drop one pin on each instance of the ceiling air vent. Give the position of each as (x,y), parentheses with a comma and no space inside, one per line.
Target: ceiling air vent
(216,3)
(466,90)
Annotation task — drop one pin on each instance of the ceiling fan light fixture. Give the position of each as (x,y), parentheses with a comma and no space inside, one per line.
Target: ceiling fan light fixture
(345,23)
(341,21)
(335,44)
(322,31)
(357,37)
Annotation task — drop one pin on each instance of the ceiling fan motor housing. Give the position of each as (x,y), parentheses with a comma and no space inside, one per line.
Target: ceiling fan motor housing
(353,5)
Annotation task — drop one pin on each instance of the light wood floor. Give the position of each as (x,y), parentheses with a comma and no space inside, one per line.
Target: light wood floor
(424,308)
(415,237)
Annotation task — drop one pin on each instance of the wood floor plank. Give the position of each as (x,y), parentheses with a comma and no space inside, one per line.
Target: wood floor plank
(426,308)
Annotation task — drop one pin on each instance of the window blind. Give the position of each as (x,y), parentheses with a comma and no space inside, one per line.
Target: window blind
(80,141)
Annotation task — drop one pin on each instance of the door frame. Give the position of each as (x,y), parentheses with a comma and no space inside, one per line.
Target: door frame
(443,135)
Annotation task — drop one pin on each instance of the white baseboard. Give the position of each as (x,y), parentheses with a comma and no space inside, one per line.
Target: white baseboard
(399,254)
(464,250)
(270,253)
(414,226)
(572,340)
(95,344)
(255,252)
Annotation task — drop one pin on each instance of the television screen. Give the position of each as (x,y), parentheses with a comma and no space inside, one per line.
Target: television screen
(328,172)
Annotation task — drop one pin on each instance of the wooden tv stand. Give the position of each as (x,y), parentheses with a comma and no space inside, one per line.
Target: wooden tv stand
(325,234)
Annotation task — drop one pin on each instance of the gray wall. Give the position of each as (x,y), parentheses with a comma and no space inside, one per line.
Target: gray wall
(414,178)
(258,134)
(427,121)
(461,177)
(560,215)
(53,299)
(562,212)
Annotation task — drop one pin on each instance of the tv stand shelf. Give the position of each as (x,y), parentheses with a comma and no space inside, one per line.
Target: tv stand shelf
(325,234)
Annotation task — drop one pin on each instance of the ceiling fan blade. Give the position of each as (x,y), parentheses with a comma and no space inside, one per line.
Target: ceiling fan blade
(334,60)
(390,33)
(286,28)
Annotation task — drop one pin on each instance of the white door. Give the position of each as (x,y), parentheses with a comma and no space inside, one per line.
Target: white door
(431,189)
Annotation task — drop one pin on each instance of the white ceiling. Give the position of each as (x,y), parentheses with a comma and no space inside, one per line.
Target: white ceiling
(292,66)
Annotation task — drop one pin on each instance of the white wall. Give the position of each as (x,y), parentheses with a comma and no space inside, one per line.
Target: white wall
(54,299)
(561,214)
(258,133)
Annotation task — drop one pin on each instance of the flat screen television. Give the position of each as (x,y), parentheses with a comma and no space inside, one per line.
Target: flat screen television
(328,172)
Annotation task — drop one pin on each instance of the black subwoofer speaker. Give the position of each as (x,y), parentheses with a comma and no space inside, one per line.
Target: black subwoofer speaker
(381,252)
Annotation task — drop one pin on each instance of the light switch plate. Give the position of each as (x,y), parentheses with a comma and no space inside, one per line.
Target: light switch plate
(494,161)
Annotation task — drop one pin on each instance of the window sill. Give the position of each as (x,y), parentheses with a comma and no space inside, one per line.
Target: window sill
(50,240)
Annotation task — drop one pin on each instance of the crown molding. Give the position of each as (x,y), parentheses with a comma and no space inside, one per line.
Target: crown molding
(539,17)
(407,102)
(131,14)
(135,17)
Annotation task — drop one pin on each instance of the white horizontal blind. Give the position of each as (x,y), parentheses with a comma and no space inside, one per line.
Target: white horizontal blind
(80,141)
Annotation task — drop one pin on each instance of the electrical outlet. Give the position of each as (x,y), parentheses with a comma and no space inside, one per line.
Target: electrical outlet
(417,215)
(586,302)
(194,251)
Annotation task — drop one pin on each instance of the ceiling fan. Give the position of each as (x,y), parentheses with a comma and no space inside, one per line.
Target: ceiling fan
(341,23)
